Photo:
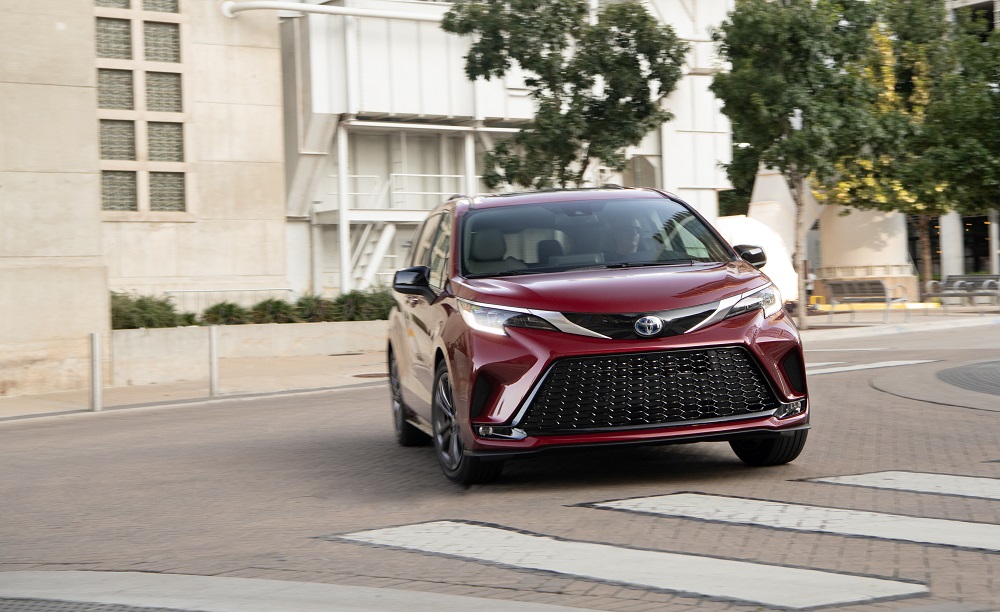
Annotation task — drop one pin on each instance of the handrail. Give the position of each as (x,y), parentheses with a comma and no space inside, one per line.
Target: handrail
(230,9)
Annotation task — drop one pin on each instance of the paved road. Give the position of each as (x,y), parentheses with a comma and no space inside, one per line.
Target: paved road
(303,489)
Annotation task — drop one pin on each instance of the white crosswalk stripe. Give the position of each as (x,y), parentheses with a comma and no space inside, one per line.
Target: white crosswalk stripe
(919,482)
(867,366)
(980,536)
(767,585)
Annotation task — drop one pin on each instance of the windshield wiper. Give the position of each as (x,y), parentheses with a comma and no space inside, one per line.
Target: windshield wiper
(502,273)
(643,264)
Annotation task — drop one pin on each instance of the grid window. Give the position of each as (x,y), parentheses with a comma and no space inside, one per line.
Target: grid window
(117,139)
(140,108)
(163,92)
(163,41)
(166,191)
(114,89)
(160,6)
(118,190)
(166,141)
(114,38)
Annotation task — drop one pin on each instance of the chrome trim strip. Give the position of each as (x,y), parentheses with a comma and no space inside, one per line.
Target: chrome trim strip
(565,325)
(725,306)
(670,424)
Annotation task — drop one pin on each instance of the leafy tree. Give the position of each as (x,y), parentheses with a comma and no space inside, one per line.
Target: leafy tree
(795,90)
(965,117)
(597,86)
(742,171)
(900,167)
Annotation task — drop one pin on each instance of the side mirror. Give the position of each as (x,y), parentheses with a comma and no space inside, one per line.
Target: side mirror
(413,281)
(753,255)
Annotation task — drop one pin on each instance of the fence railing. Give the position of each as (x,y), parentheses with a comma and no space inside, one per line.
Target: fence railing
(197,300)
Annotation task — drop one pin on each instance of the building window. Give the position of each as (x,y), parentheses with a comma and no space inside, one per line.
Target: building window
(117,139)
(162,42)
(162,6)
(141,113)
(163,92)
(114,38)
(119,190)
(166,191)
(114,89)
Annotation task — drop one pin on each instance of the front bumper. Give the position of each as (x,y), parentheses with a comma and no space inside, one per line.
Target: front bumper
(503,374)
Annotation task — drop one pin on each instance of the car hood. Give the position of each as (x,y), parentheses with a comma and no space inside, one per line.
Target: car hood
(627,290)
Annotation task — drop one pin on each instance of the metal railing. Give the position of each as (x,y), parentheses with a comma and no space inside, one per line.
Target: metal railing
(872,271)
(197,300)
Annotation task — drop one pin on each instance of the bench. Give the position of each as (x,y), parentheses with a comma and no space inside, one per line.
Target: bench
(964,287)
(872,291)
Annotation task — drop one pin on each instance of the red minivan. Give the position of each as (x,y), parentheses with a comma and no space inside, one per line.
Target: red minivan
(584,318)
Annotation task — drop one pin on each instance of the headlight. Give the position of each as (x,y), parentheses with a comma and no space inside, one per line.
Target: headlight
(767,299)
(493,320)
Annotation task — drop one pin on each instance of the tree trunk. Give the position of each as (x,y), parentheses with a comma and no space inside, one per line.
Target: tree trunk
(798,185)
(924,238)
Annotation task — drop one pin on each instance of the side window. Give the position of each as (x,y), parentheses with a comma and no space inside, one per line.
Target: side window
(441,254)
(422,247)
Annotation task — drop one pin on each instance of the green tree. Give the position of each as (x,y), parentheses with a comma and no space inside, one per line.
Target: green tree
(796,92)
(597,86)
(900,169)
(742,171)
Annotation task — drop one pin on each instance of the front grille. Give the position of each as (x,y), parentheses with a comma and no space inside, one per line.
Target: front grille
(611,392)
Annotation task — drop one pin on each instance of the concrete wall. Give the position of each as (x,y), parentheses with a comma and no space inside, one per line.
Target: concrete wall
(233,234)
(53,289)
(154,356)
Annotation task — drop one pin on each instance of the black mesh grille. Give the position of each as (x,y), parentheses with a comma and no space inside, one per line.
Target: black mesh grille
(792,365)
(611,392)
(480,394)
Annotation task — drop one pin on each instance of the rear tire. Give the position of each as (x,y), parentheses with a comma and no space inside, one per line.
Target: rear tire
(406,433)
(456,465)
(770,451)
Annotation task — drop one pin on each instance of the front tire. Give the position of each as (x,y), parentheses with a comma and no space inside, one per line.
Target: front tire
(406,433)
(776,450)
(456,465)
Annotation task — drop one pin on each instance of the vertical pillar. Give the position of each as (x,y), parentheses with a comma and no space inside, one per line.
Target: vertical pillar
(96,383)
(471,185)
(213,360)
(994,218)
(343,209)
(952,244)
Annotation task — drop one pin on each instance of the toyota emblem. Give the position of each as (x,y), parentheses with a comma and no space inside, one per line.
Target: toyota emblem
(648,326)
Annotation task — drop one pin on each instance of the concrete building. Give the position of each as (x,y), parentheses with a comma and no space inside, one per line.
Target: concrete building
(141,151)
(383,124)
(191,149)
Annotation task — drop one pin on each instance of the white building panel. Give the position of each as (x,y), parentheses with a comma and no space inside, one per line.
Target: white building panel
(327,78)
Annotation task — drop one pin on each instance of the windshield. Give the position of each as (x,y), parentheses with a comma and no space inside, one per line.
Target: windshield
(550,237)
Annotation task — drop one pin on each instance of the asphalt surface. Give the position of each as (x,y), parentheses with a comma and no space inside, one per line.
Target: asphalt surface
(248,503)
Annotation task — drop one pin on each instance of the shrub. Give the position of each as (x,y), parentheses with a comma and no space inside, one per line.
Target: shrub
(187,318)
(141,311)
(371,305)
(225,313)
(273,311)
(314,308)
